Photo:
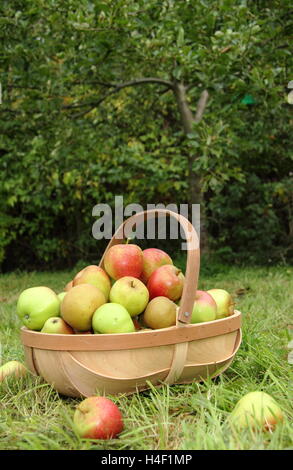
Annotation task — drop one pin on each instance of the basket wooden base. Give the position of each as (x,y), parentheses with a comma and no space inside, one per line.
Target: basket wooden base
(83,373)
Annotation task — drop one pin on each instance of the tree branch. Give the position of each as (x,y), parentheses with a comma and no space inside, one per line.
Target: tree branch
(183,106)
(119,86)
(187,117)
(201,105)
(140,81)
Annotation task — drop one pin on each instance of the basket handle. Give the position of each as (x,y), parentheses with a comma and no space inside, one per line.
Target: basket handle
(193,256)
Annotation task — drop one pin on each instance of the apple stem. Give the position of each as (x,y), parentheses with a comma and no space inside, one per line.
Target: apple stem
(128,240)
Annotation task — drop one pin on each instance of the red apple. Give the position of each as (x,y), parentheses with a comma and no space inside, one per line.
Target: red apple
(124,260)
(97,418)
(153,258)
(166,281)
(204,308)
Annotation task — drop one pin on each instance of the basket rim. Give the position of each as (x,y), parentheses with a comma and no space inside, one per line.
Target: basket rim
(121,341)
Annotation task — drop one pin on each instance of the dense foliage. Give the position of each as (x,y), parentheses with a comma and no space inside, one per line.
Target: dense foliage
(74,135)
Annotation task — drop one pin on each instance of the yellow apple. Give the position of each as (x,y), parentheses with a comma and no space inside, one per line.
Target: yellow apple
(79,305)
(160,313)
(96,276)
(224,301)
(257,410)
(12,368)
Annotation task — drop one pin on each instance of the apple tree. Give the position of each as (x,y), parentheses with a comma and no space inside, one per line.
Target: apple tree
(161,101)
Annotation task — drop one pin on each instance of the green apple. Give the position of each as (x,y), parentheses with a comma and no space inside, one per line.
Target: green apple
(112,318)
(257,410)
(56,325)
(35,305)
(61,296)
(79,305)
(131,293)
(12,368)
(224,301)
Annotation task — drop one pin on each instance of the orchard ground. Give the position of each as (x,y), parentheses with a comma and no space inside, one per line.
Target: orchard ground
(194,416)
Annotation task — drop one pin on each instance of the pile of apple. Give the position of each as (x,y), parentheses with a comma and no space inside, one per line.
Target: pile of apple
(137,290)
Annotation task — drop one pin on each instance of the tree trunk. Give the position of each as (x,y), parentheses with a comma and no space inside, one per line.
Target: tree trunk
(195,195)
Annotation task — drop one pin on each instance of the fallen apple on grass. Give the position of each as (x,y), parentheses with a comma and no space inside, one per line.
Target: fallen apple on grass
(204,309)
(160,313)
(166,281)
(131,293)
(256,410)
(96,276)
(124,260)
(56,325)
(224,301)
(12,368)
(97,418)
(79,305)
(153,258)
(35,305)
(112,318)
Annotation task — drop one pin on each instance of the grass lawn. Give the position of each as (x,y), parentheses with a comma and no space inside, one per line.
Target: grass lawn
(194,416)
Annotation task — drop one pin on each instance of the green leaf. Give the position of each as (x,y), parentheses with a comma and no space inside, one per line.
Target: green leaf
(177,72)
(180,37)
(290,97)
(248,99)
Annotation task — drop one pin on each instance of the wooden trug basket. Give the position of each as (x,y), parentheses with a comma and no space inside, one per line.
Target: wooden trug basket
(83,365)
